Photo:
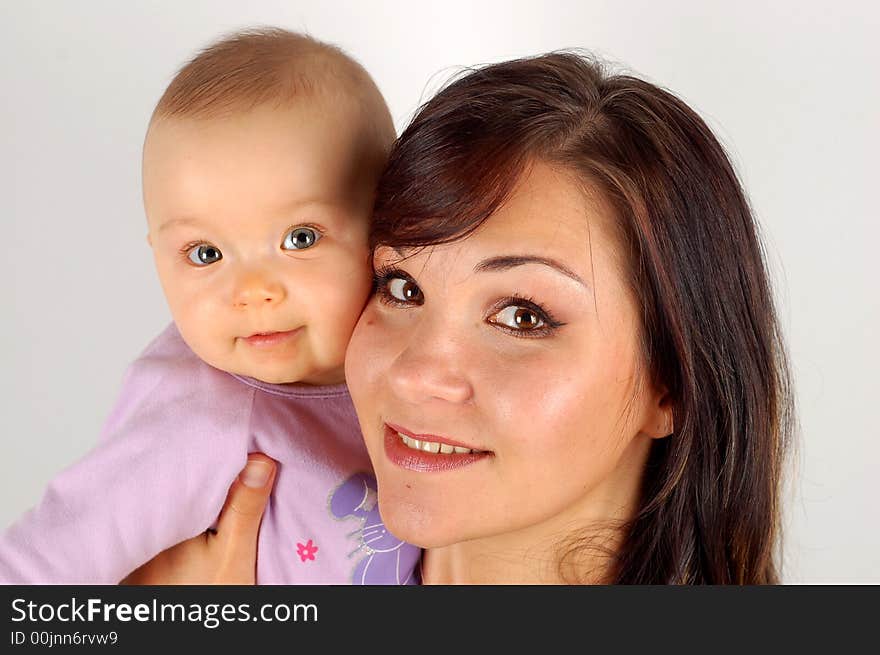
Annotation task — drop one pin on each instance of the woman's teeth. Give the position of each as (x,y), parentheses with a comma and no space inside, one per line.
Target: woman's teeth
(433,446)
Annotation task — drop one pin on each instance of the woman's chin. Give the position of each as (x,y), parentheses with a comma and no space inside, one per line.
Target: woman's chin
(416,524)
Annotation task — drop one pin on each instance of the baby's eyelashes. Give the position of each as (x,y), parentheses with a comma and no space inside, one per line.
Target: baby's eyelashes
(301,237)
(202,254)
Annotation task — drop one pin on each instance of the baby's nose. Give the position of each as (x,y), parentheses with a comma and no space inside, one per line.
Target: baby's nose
(255,288)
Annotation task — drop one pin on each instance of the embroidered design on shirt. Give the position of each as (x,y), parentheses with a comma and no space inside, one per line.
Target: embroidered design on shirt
(387,559)
(306,551)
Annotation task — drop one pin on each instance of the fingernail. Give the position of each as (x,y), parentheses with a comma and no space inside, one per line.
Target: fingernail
(255,474)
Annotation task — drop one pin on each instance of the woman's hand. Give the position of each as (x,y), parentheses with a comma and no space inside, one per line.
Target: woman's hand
(227,556)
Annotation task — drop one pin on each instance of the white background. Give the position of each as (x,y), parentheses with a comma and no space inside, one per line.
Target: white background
(791,88)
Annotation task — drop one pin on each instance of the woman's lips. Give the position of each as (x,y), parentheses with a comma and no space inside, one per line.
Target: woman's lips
(425,455)
(270,339)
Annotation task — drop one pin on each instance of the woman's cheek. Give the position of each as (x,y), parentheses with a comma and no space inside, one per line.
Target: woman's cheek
(542,388)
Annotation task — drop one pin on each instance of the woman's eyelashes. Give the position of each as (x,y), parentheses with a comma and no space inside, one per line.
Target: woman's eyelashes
(395,287)
(523,317)
(516,315)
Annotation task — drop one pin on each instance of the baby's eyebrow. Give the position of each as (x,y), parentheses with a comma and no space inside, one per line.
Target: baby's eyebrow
(184,220)
(506,262)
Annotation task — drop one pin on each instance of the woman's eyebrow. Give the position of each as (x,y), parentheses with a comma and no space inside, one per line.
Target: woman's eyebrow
(506,262)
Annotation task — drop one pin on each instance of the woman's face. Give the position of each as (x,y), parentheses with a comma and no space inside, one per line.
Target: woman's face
(497,378)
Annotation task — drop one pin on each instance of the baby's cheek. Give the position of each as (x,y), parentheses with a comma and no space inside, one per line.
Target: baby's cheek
(365,360)
(338,320)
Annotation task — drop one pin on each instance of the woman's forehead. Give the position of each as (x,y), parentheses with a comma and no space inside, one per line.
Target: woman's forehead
(548,215)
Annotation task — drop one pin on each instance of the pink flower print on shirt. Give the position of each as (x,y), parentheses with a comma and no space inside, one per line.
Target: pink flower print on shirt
(306,551)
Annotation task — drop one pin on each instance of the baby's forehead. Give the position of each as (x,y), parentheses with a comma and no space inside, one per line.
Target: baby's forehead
(290,113)
(314,138)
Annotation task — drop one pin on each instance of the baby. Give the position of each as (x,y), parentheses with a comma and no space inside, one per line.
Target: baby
(259,169)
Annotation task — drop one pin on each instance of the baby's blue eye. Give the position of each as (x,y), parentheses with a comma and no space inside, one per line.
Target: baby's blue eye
(204,254)
(300,238)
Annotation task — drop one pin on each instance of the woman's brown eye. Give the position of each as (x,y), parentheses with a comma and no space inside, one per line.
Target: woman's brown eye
(519,318)
(404,290)
(526,318)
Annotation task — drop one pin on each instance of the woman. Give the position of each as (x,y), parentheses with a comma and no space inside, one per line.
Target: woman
(571,298)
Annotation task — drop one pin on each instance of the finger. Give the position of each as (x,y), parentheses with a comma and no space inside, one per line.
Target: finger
(247,499)
(172,566)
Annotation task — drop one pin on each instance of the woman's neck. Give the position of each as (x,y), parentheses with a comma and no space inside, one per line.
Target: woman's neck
(577,546)
(519,560)
(567,550)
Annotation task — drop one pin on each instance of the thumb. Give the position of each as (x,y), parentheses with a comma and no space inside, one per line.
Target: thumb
(246,502)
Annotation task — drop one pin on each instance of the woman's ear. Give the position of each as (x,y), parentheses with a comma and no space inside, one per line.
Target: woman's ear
(659,422)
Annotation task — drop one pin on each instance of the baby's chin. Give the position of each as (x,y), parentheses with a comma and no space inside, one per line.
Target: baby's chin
(268,374)
(280,369)
(281,365)
(279,376)
(293,375)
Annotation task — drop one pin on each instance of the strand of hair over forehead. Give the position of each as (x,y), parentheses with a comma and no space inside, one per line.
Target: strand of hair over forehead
(442,158)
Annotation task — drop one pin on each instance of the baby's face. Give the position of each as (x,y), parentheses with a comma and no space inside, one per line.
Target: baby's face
(258,224)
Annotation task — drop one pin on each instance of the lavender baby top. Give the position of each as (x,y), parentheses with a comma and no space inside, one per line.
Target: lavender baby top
(177,438)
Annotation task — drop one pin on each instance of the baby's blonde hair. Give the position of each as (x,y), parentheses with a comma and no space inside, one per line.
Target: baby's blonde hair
(260,66)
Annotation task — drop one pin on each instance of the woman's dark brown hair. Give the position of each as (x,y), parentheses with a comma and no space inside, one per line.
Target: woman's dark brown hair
(710,505)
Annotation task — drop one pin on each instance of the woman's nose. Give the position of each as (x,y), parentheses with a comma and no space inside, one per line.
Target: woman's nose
(431,367)
(257,288)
